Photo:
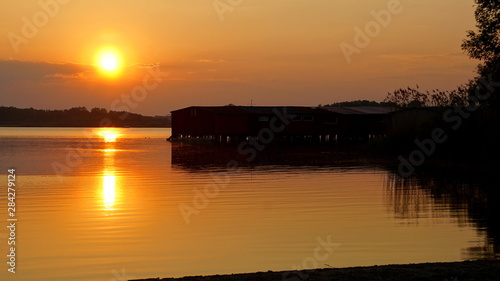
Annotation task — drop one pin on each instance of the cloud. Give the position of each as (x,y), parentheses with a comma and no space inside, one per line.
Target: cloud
(67,76)
(147,65)
(25,70)
(413,57)
(430,64)
(209,60)
(16,70)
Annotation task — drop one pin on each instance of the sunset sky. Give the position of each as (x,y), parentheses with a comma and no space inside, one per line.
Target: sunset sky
(67,53)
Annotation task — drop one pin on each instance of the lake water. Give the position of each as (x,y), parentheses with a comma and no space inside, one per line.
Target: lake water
(114,204)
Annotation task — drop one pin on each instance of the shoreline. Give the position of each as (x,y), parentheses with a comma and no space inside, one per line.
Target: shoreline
(484,270)
(77,126)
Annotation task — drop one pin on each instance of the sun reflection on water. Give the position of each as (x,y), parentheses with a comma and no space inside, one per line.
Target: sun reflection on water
(109,190)
(109,178)
(109,134)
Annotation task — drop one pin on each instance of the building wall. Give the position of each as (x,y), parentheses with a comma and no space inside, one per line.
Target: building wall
(199,122)
(192,121)
(231,125)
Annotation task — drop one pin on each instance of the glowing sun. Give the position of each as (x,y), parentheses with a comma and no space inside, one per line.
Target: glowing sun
(109,62)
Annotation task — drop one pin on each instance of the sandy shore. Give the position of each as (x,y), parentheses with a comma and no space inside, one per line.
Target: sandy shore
(454,271)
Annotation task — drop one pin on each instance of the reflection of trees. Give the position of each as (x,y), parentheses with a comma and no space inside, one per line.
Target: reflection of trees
(406,199)
(471,198)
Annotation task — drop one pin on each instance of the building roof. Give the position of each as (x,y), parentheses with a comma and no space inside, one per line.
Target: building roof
(362,110)
(295,110)
(236,110)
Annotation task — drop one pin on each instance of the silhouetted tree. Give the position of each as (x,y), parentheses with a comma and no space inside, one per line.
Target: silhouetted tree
(413,97)
(484,45)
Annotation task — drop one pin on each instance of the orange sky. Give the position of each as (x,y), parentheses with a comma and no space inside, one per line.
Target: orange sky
(274,52)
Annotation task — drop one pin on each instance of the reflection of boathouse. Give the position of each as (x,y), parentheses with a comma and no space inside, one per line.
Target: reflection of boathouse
(290,123)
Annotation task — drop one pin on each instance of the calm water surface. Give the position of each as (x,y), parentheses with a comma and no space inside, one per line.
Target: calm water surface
(96,204)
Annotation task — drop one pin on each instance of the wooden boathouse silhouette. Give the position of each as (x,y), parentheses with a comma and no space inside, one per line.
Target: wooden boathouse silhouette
(310,124)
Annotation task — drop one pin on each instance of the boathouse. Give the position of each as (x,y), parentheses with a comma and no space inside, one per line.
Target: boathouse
(363,122)
(300,123)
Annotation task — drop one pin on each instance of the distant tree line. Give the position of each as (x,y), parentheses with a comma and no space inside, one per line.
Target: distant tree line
(359,103)
(77,117)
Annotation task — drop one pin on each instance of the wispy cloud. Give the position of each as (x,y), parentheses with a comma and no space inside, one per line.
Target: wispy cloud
(23,70)
(210,60)
(147,65)
(12,70)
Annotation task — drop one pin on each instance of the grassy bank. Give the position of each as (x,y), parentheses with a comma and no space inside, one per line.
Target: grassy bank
(453,271)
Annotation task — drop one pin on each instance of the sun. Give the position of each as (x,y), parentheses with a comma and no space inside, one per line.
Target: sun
(109,61)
